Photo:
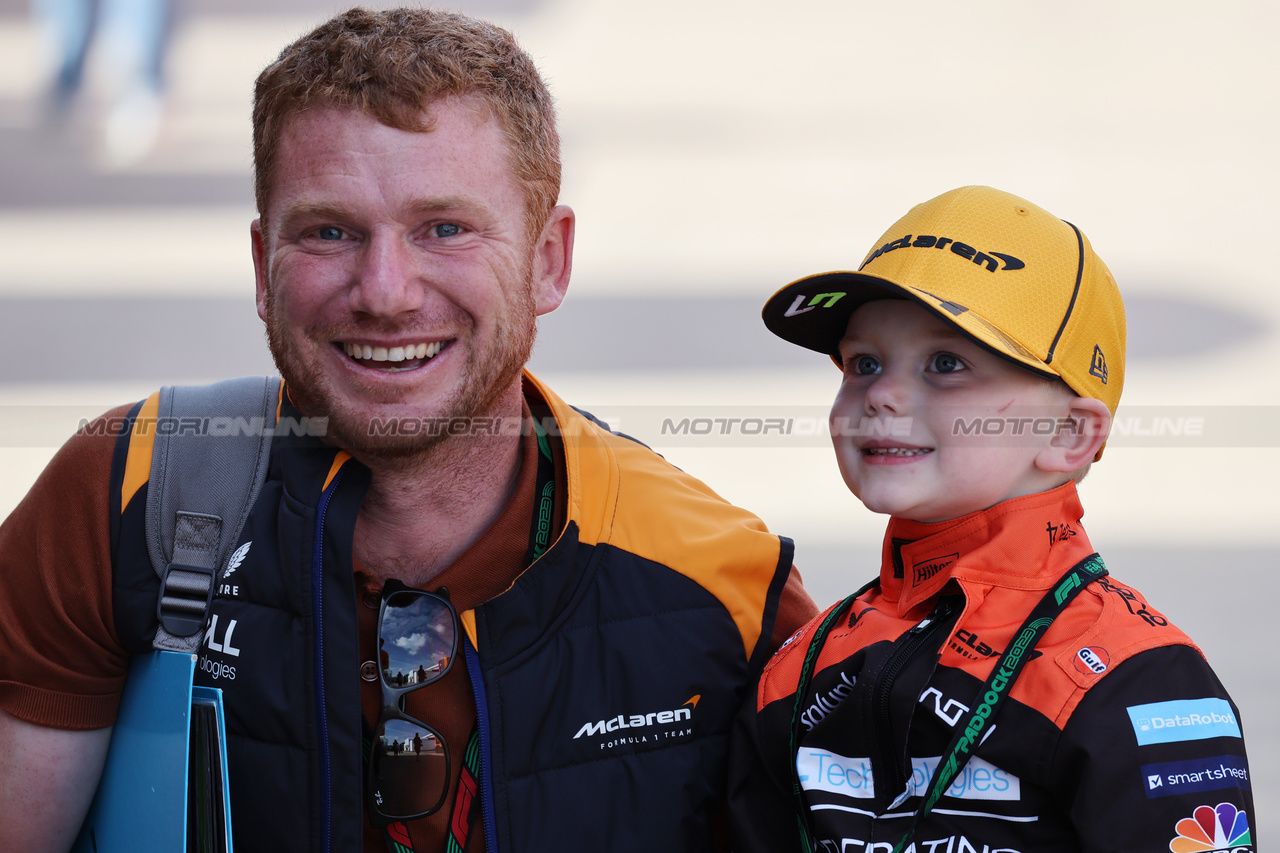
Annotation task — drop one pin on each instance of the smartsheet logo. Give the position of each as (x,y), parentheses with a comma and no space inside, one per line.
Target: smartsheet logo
(1200,774)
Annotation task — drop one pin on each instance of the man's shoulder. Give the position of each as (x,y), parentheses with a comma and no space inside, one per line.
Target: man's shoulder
(87,454)
(55,587)
(650,489)
(80,467)
(624,494)
(608,467)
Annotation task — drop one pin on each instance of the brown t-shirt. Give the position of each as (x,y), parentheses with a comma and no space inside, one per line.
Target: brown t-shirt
(61,664)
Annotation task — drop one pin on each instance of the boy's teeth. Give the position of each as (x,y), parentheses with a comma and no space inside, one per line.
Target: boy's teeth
(895,451)
(365,352)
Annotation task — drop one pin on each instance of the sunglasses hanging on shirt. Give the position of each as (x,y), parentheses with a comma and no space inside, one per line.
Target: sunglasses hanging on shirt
(408,773)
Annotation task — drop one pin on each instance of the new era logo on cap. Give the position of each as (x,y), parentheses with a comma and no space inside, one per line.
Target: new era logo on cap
(1098,366)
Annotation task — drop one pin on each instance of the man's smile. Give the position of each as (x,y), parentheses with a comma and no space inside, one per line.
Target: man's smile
(398,358)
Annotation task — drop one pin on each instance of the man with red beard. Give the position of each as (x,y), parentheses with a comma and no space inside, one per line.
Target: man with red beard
(607,611)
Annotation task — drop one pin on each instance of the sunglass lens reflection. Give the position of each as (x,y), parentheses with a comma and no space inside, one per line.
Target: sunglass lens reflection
(410,769)
(417,639)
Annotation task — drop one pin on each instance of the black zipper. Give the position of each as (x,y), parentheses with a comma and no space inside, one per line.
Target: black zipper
(916,637)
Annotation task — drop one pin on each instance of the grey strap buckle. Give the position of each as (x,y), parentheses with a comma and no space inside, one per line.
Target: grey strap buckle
(186,592)
(202,488)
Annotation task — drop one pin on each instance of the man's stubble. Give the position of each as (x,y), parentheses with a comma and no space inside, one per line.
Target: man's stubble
(486,377)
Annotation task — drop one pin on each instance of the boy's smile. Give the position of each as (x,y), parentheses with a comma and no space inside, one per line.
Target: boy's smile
(902,362)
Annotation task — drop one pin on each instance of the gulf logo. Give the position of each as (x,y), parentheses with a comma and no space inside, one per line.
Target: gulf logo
(1092,661)
(1223,828)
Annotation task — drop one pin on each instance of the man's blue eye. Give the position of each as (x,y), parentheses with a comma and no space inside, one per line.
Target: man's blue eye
(329,233)
(946,363)
(447,229)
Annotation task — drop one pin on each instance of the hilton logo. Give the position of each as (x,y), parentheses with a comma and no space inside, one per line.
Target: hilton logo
(927,569)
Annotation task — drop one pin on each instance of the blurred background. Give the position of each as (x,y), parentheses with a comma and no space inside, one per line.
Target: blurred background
(714,152)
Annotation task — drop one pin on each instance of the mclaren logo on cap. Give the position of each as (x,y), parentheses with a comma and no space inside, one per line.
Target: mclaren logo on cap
(1098,367)
(800,305)
(964,250)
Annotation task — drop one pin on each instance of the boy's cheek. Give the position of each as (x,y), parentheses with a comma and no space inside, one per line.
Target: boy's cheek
(846,461)
(849,400)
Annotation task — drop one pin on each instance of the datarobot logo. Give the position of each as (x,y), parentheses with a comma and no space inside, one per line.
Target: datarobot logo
(643,728)
(1183,720)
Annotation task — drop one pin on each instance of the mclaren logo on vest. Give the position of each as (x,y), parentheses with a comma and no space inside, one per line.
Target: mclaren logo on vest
(642,728)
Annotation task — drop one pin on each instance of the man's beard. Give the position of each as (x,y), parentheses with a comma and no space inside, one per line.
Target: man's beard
(463,415)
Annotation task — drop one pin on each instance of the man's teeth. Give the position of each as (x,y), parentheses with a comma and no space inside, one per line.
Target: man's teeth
(896,451)
(368,353)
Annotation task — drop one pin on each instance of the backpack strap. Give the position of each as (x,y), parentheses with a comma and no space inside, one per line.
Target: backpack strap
(209,461)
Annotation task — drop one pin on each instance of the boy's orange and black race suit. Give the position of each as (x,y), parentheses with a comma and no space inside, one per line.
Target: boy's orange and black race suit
(1117,736)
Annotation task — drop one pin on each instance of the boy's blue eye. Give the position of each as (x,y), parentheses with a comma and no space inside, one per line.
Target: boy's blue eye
(864,365)
(447,229)
(945,362)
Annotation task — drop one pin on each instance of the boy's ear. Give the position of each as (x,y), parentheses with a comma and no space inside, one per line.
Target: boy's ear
(1080,436)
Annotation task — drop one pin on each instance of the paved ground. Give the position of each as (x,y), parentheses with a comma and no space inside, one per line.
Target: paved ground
(712,158)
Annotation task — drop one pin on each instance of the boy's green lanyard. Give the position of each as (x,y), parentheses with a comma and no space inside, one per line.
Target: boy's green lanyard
(466,802)
(990,697)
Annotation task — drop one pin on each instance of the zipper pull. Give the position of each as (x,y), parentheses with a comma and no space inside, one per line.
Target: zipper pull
(920,626)
(941,610)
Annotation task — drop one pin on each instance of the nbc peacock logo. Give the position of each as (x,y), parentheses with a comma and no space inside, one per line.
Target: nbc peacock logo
(1223,828)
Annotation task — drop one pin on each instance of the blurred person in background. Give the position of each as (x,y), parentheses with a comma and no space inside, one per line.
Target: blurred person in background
(134,35)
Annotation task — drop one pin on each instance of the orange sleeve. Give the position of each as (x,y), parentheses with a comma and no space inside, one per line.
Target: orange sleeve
(795,609)
(61,664)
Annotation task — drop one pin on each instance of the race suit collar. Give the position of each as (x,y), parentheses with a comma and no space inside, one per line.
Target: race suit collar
(1023,543)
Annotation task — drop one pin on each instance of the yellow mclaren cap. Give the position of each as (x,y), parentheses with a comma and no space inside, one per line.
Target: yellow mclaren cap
(1012,276)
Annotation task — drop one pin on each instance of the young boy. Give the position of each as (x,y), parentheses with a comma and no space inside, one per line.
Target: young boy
(995,689)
